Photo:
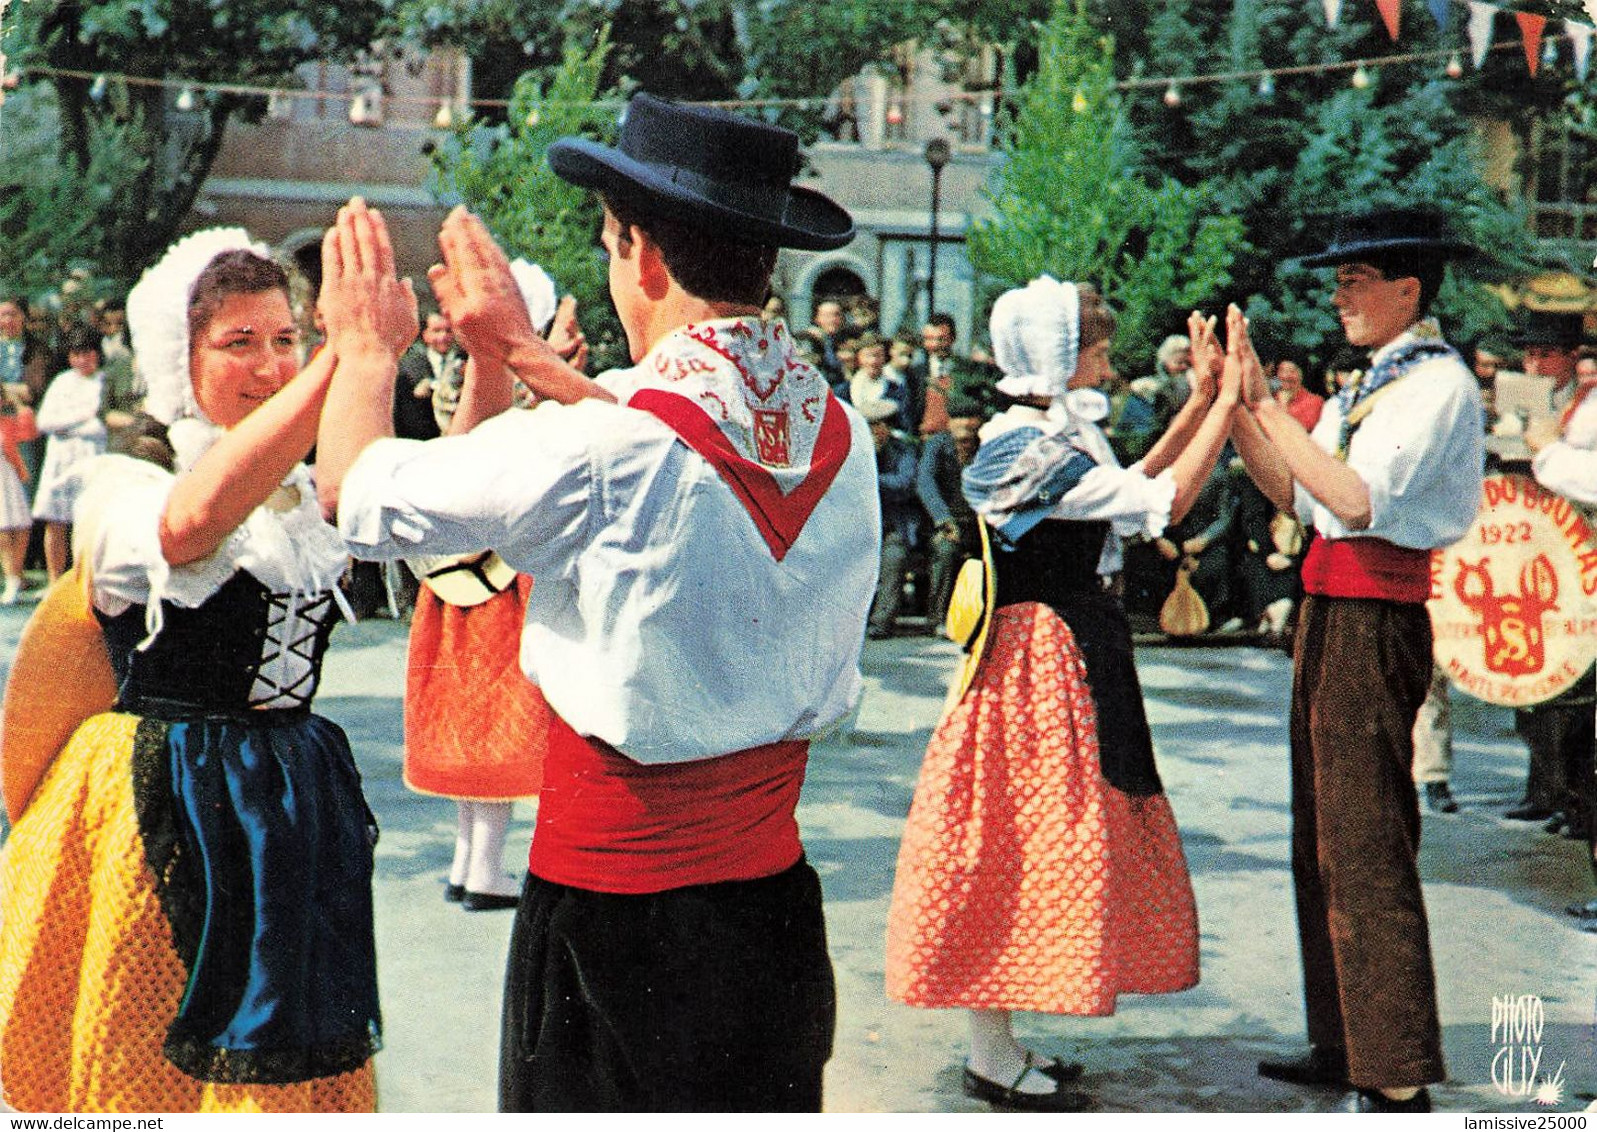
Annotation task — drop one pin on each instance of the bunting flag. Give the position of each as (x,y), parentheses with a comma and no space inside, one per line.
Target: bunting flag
(1580,39)
(1392,13)
(1333,11)
(1531,26)
(1481,17)
(1440,10)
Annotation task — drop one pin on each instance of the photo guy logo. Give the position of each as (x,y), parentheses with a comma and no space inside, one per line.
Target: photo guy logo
(1517,1023)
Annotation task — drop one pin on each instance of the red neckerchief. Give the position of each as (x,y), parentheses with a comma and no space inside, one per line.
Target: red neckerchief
(780,518)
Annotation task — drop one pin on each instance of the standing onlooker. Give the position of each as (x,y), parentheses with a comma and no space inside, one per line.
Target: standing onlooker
(420,368)
(820,341)
(1303,404)
(1552,344)
(1565,461)
(73,418)
(1392,471)
(1171,378)
(1433,744)
(943,377)
(956,537)
(895,480)
(873,381)
(17,426)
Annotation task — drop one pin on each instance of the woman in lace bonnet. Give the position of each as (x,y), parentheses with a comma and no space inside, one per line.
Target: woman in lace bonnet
(187,922)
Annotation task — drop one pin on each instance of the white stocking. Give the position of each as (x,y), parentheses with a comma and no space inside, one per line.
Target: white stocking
(997,1056)
(457,868)
(490,822)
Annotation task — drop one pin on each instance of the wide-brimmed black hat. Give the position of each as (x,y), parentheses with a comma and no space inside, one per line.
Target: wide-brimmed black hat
(1565,331)
(1387,231)
(709,168)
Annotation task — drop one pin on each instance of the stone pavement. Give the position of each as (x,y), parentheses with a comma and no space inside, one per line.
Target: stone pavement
(1495,891)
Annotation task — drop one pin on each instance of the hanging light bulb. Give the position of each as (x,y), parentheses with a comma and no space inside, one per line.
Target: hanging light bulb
(1079,102)
(97,87)
(185,98)
(278,106)
(533,118)
(445,118)
(1361,77)
(1455,66)
(1172,96)
(359,112)
(1267,86)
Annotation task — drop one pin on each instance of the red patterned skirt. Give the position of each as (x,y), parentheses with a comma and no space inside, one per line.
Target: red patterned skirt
(475,727)
(1025,880)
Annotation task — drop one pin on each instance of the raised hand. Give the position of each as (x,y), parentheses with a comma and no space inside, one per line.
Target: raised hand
(565,334)
(362,301)
(1249,380)
(476,290)
(1208,358)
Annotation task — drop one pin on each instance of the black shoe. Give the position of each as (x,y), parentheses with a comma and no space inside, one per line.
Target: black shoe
(1062,1071)
(454,893)
(1583,911)
(1555,822)
(1439,798)
(1060,1100)
(487,902)
(1322,1065)
(1528,811)
(1575,831)
(1588,924)
(1373,1100)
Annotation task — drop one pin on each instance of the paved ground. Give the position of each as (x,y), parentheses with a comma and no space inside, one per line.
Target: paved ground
(1495,890)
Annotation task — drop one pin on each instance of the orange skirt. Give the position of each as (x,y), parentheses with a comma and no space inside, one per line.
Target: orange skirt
(1025,881)
(475,727)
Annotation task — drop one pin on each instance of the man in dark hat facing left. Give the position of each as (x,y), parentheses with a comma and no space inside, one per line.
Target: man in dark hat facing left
(1392,471)
(702,530)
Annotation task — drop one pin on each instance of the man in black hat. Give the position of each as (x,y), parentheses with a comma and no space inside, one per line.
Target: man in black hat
(1392,471)
(703,531)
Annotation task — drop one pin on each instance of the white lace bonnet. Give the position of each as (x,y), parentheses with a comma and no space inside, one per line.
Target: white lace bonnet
(1036,332)
(158,325)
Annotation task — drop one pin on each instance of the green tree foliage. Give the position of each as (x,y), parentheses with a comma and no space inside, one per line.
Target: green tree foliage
(500,172)
(52,216)
(1284,159)
(162,153)
(1075,198)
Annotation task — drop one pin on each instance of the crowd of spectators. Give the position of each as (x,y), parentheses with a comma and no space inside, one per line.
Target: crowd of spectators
(69,390)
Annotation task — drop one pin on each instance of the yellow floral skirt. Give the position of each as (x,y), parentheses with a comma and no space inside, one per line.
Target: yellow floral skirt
(89,976)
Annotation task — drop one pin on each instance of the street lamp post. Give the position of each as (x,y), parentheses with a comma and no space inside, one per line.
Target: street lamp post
(937,156)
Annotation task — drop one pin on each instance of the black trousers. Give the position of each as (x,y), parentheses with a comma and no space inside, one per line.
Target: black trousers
(710,998)
(1362,668)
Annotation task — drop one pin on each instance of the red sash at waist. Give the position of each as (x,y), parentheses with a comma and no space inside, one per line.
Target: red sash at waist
(609,824)
(1367,567)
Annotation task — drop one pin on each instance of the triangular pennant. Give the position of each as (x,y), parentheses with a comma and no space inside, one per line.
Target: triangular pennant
(1580,39)
(1531,26)
(1481,17)
(1333,11)
(1440,10)
(1392,13)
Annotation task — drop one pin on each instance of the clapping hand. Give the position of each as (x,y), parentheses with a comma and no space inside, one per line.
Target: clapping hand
(565,334)
(1208,359)
(1242,361)
(363,303)
(476,290)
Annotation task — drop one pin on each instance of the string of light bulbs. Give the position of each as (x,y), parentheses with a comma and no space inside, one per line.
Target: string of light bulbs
(362,98)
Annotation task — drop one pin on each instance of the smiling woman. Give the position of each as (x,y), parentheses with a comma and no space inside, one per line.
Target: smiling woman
(245,343)
(187,921)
